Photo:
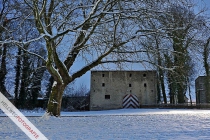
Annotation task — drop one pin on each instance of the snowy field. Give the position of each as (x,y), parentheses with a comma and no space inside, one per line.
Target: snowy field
(123,124)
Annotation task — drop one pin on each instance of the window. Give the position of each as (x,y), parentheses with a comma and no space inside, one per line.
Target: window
(130,91)
(144,75)
(103,84)
(145,85)
(107,96)
(129,85)
(130,75)
(103,75)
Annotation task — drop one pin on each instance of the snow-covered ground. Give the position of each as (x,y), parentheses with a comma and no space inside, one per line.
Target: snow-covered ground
(123,124)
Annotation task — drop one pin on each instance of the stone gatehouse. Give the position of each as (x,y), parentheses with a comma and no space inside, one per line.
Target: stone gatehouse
(110,88)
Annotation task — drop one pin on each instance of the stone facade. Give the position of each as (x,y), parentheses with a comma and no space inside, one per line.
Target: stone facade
(108,88)
(200,88)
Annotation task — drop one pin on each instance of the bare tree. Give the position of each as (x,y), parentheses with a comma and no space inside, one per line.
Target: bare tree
(93,30)
(182,25)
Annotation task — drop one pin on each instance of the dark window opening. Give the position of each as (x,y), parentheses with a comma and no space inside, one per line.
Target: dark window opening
(144,75)
(130,75)
(103,75)
(103,84)
(151,90)
(129,85)
(107,96)
(145,85)
(130,91)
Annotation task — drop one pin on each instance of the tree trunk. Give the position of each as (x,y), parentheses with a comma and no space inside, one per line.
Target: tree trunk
(24,81)
(180,97)
(171,91)
(17,76)
(161,74)
(206,83)
(158,91)
(54,103)
(49,86)
(161,87)
(163,90)
(3,72)
(190,94)
(169,64)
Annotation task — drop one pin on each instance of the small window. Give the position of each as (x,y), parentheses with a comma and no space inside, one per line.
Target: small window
(151,90)
(145,85)
(103,84)
(103,75)
(130,91)
(130,75)
(129,85)
(93,90)
(107,96)
(144,75)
